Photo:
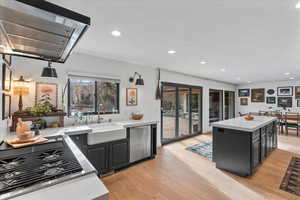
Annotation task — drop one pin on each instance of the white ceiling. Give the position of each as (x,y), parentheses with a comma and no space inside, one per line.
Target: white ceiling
(256,40)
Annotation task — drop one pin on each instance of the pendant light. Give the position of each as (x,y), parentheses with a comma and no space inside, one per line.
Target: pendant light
(49,71)
(139,80)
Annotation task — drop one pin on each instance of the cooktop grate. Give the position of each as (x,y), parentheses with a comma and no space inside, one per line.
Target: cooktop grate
(45,164)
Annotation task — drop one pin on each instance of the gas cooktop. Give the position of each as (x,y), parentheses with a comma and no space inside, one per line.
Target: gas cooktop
(29,166)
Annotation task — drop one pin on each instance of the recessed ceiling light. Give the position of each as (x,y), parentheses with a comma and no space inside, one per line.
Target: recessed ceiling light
(116,33)
(171,52)
(249,81)
(298,5)
(238,78)
(287,73)
(223,70)
(292,78)
(203,62)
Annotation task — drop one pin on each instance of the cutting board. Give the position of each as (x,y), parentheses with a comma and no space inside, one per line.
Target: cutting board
(16,143)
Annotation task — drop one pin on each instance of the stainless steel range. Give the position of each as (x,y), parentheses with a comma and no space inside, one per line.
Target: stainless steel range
(27,169)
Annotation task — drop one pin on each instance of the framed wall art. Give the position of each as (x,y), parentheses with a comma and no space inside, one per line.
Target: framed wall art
(270,91)
(6,77)
(131,97)
(285,102)
(271,100)
(244,92)
(46,93)
(297,92)
(258,95)
(6,106)
(243,101)
(285,91)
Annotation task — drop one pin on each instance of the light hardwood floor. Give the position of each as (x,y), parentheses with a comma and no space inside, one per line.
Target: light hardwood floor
(177,174)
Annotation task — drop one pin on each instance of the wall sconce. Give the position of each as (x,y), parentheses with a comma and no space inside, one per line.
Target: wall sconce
(21,89)
(49,71)
(139,80)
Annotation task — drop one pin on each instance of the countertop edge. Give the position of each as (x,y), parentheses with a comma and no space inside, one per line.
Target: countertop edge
(242,128)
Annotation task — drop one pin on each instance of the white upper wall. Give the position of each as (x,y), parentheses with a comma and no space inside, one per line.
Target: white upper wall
(254,107)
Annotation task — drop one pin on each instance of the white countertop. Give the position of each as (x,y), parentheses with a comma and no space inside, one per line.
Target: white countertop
(78,129)
(83,188)
(241,124)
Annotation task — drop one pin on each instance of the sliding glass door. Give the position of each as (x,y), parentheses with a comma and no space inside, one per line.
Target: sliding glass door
(215,105)
(196,112)
(181,111)
(169,112)
(229,104)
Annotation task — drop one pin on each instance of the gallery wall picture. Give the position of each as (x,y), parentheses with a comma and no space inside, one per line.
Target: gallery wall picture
(46,93)
(285,91)
(297,92)
(244,92)
(131,97)
(6,106)
(271,100)
(243,101)
(285,102)
(258,95)
(270,91)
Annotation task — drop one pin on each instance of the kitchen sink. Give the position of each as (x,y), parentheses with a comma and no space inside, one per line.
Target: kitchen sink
(106,132)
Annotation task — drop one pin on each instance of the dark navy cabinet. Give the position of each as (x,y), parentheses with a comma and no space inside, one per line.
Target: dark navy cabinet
(109,156)
(241,152)
(119,154)
(98,155)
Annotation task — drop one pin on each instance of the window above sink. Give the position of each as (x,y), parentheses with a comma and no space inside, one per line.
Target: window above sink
(90,95)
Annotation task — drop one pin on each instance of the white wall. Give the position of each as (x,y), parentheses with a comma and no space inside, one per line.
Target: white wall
(82,63)
(255,107)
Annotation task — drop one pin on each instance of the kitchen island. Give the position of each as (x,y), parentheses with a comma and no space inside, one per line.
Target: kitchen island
(239,145)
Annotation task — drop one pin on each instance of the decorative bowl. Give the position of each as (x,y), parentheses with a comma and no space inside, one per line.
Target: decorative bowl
(248,117)
(137,116)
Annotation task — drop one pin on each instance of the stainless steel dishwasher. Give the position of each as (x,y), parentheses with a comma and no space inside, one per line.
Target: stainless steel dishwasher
(140,143)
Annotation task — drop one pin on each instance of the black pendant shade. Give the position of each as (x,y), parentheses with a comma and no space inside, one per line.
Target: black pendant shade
(49,72)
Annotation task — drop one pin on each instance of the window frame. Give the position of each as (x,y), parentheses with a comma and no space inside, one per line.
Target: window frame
(96,100)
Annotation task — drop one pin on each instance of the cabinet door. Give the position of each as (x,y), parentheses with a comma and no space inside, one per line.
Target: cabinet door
(256,154)
(98,156)
(119,154)
(263,147)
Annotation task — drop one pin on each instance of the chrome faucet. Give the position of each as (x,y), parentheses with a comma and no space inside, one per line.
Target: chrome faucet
(87,119)
(99,114)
